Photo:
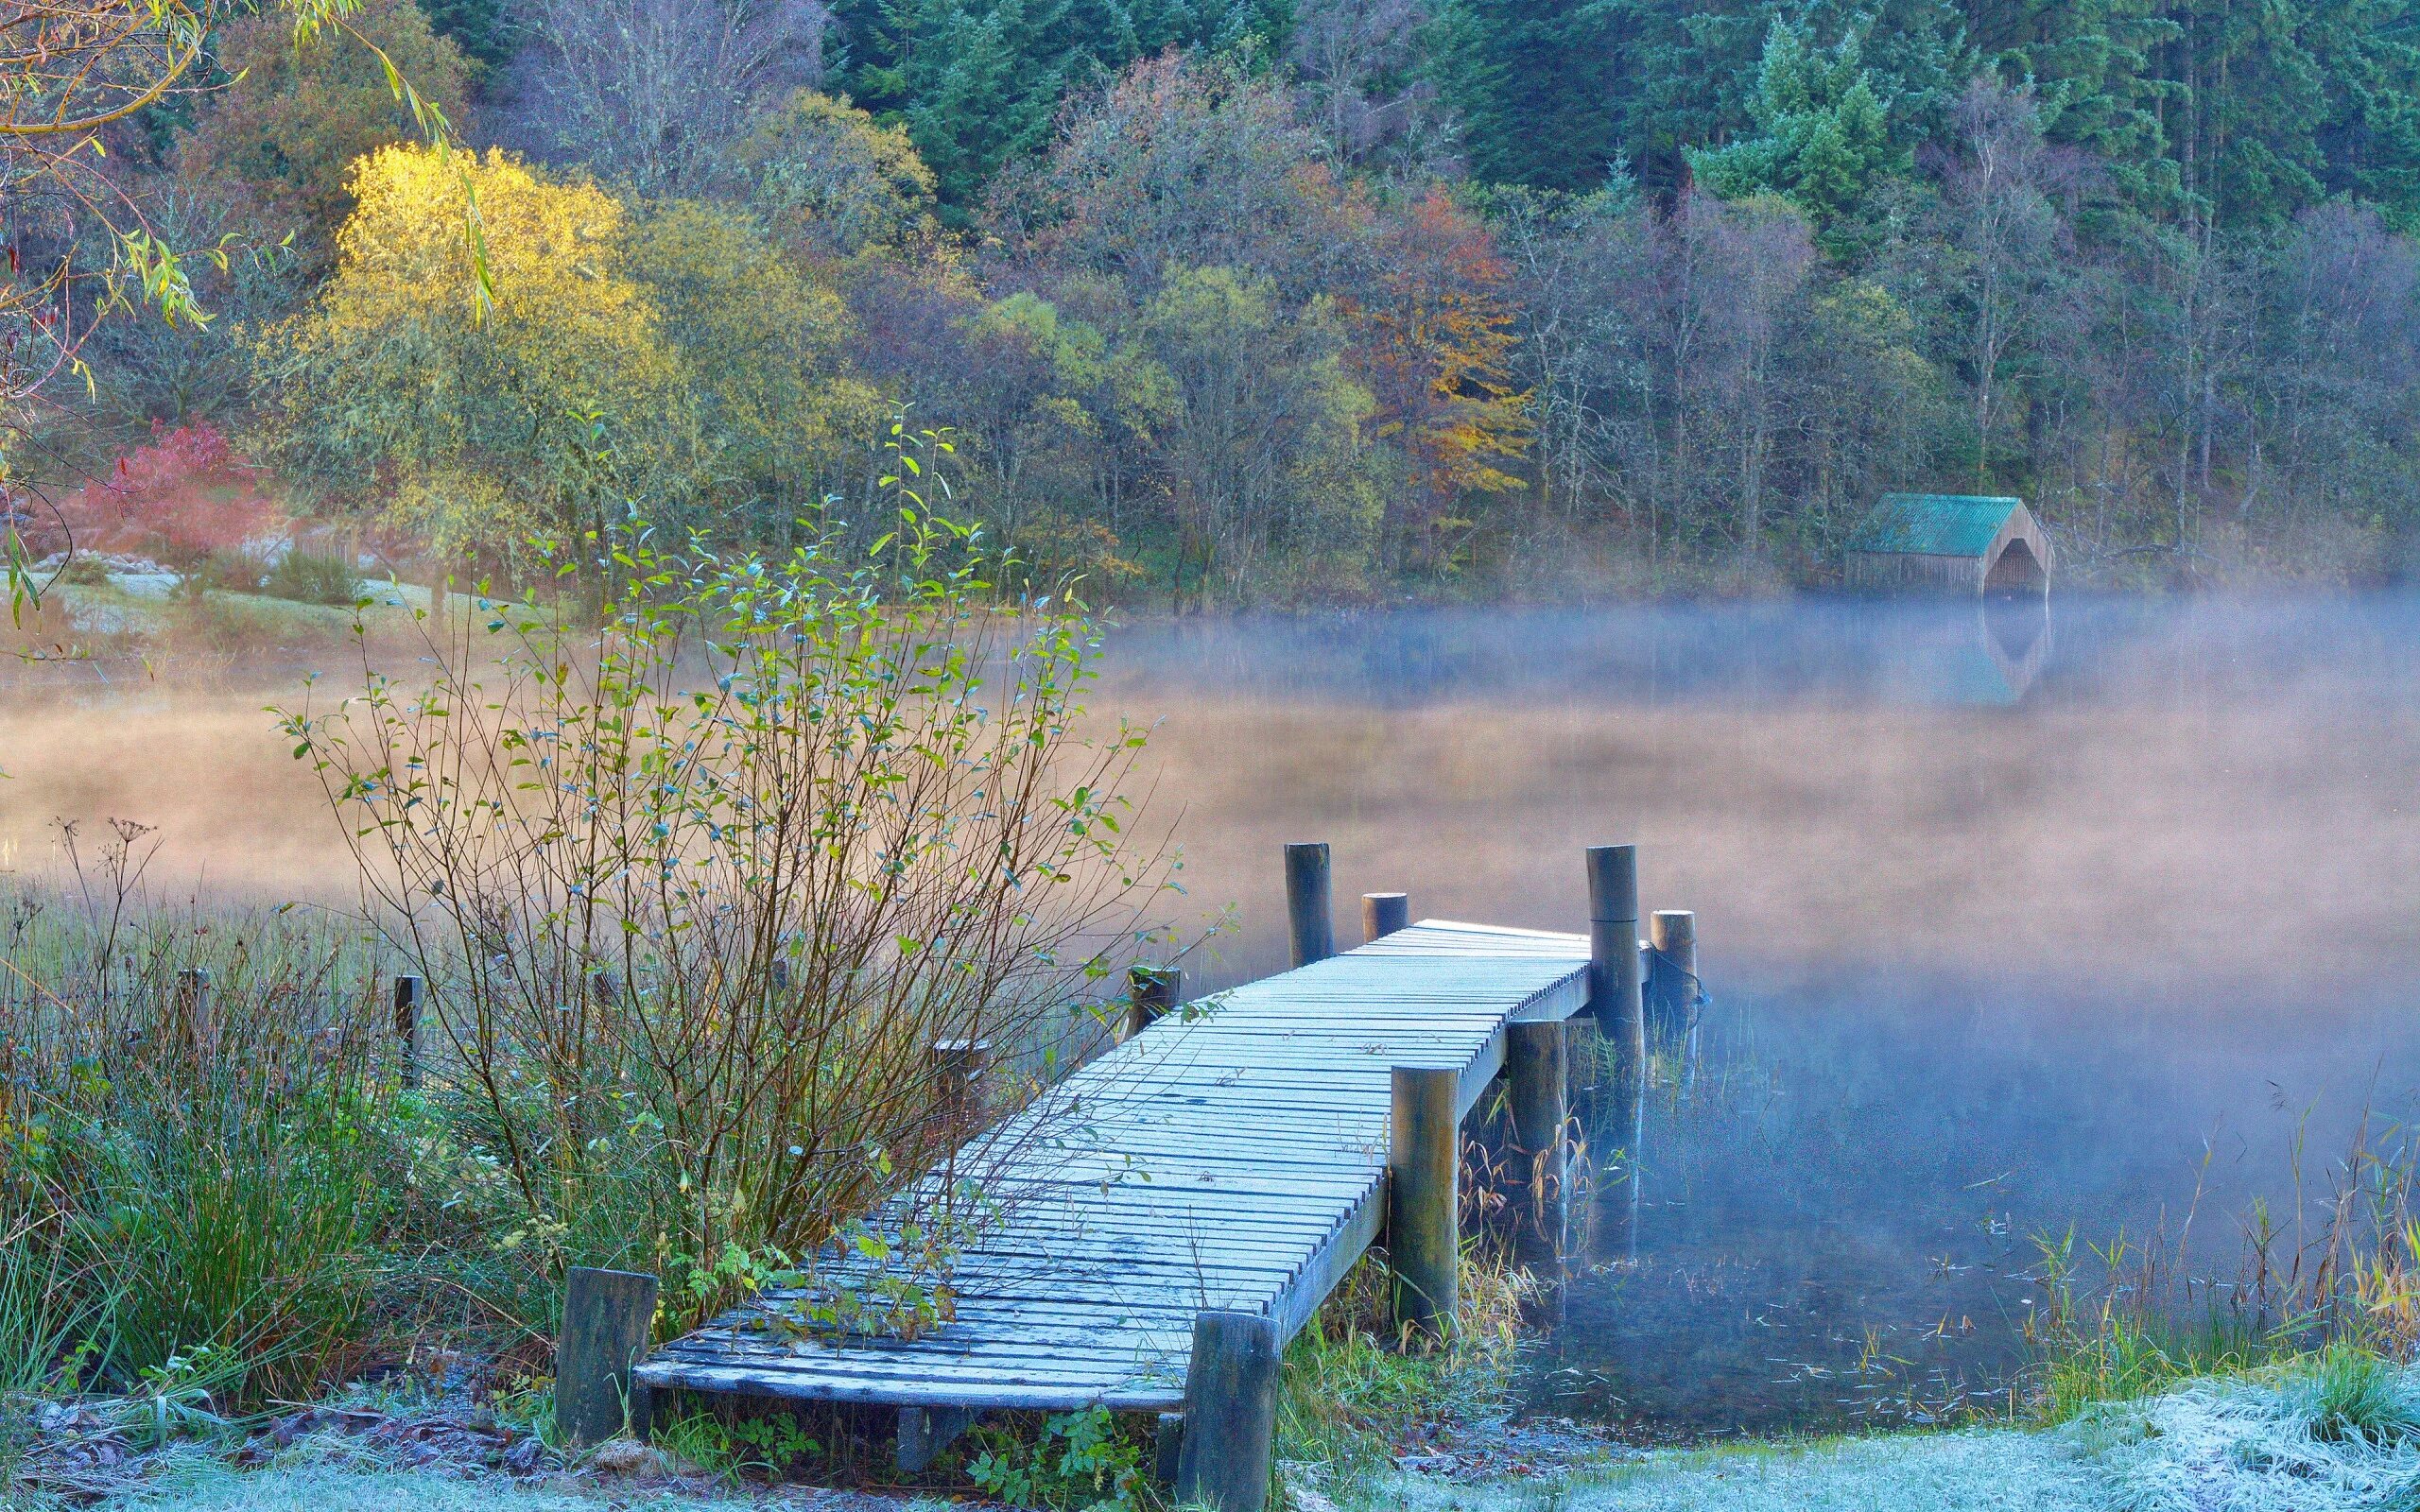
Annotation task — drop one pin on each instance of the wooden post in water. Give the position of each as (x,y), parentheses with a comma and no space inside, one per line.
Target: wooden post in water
(1424,1206)
(409,990)
(608,1317)
(1230,1413)
(1383,913)
(1150,992)
(1614,983)
(1614,999)
(1673,986)
(1534,1074)
(1308,915)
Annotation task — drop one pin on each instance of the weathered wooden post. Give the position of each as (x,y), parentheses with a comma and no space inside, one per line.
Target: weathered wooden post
(1534,1074)
(924,1432)
(1308,915)
(190,1010)
(609,1316)
(1168,1448)
(1672,986)
(1424,1206)
(409,990)
(1615,970)
(1150,992)
(1383,913)
(958,1066)
(1230,1413)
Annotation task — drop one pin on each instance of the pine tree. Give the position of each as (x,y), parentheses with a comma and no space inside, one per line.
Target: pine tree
(1823,130)
(1691,72)
(1532,80)
(478,26)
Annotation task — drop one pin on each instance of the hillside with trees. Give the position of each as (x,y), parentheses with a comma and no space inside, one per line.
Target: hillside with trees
(1237,301)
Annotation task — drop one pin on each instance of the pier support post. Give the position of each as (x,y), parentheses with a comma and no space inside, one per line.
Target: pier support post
(1308,915)
(1230,1413)
(409,993)
(1673,984)
(1615,969)
(1614,973)
(1150,992)
(1424,1234)
(1534,1077)
(608,1317)
(958,1074)
(1168,1448)
(924,1432)
(1383,913)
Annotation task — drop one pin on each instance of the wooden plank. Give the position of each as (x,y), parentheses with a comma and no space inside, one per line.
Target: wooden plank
(1231,1155)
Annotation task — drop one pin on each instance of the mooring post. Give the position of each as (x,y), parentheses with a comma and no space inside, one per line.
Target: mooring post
(1613,998)
(609,1315)
(1614,973)
(1534,1077)
(1230,1429)
(409,990)
(1308,915)
(958,1066)
(1673,986)
(1423,1207)
(1150,992)
(1383,913)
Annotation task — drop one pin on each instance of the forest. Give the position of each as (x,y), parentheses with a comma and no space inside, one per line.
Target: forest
(1219,303)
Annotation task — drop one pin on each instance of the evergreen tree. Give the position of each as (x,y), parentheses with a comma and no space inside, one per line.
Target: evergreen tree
(1534,82)
(1691,74)
(478,27)
(978,83)
(1823,130)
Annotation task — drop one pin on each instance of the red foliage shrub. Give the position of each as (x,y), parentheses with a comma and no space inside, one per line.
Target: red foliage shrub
(176,500)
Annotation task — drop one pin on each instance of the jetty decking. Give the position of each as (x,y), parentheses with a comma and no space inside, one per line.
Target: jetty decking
(1232,1157)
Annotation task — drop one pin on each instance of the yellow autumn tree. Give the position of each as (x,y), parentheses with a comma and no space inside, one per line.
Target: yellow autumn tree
(480,424)
(764,344)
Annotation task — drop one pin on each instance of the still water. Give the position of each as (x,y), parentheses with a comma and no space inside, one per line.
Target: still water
(2016,926)
(2013,924)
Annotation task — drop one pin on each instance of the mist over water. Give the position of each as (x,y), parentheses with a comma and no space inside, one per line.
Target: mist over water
(2011,923)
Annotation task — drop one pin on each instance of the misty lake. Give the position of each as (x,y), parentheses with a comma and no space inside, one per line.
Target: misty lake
(2013,925)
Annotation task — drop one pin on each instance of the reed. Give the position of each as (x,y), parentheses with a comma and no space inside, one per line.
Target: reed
(2329,1282)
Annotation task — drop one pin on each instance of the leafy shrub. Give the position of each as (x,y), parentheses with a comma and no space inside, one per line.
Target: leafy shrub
(308,578)
(696,894)
(1079,1460)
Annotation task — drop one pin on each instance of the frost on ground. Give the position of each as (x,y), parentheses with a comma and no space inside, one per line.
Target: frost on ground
(1977,1470)
(2314,1441)
(2340,1435)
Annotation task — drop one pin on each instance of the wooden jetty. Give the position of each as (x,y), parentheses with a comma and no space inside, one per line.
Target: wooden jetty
(1181,1205)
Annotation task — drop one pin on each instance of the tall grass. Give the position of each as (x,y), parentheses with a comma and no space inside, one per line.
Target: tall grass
(2332,1281)
(195,1163)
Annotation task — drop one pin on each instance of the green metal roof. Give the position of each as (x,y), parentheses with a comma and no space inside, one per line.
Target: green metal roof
(1933,525)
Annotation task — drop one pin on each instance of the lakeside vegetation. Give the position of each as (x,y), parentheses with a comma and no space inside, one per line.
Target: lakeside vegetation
(1239,307)
(1337,300)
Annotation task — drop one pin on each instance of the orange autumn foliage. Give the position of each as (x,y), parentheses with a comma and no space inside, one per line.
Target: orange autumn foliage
(1435,336)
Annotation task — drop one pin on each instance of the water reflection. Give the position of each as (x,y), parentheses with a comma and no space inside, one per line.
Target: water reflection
(2004,915)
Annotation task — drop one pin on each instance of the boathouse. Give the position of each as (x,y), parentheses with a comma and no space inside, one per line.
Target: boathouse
(1949,543)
